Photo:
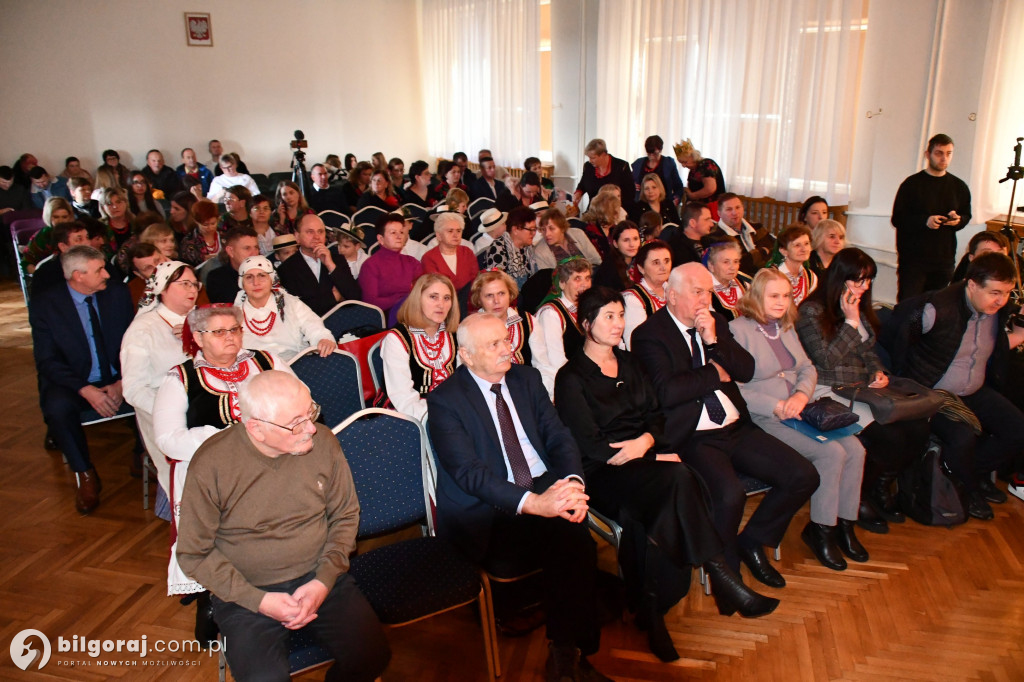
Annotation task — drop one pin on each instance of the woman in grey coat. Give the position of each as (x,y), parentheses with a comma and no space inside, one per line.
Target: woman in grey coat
(783,383)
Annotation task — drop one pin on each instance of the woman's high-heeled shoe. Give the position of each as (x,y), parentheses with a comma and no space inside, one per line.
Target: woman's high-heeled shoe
(732,595)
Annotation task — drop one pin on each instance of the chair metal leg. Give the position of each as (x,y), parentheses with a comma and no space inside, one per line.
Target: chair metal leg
(778,553)
(494,659)
(489,631)
(705,582)
(222,665)
(145,480)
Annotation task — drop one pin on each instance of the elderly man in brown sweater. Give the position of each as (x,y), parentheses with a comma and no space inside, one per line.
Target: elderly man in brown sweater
(269,525)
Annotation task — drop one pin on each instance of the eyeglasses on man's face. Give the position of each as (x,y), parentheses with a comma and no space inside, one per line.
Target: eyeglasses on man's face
(298,427)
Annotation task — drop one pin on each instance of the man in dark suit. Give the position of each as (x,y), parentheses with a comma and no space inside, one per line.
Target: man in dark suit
(510,487)
(688,245)
(76,337)
(322,196)
(222,283)
(312,275)
(693,361)
(49,272)
(487,185)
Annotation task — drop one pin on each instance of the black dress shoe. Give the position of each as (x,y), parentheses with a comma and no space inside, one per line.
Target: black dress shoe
(822,541)
(757,561)
(848,542)
(869,520)
(977,508)
(990,492)
(206,627)
(732,595)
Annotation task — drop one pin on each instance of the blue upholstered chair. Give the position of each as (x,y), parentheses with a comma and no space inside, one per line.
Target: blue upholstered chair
(412,579)
(335,382)
(351,315)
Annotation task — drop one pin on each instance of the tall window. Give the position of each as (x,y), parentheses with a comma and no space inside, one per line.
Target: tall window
(767,88)
(480,61)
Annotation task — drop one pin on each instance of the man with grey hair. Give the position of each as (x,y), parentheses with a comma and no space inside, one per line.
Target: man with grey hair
(510,492)
(694,363)
(269,523)
(76,340)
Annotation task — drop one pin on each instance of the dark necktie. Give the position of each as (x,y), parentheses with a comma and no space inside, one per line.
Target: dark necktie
(101,347)
(716,412)
(516,459)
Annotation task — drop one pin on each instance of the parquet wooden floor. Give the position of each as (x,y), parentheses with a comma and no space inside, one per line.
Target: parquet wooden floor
(932,604)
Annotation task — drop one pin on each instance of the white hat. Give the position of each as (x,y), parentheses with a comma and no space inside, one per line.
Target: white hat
(491,219)
(256,263)
(158,281)
(539,206)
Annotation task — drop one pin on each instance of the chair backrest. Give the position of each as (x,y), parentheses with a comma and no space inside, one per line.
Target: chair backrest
(415,211)
(576,222)
(204,269)
(336,382)
(367,215)
(377,365)
(387,455)
(333,219)
(479,206)
(275,178)
(262,183)
(23,229)
(349,315)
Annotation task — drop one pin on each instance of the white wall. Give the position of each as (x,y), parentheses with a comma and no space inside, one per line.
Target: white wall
(79,78)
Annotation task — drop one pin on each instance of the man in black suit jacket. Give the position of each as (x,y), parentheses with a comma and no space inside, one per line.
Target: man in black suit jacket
(311,274)
(689,243)
(78,358)
(222,283)
(322,196)
(710,426)
(510,487)
(487,185)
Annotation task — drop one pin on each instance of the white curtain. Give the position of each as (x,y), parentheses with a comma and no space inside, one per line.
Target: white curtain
(481,66)
(766,88)
(1001,114)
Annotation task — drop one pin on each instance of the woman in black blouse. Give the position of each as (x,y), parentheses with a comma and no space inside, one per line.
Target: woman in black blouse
(614,271)
(607,402)
(653,198)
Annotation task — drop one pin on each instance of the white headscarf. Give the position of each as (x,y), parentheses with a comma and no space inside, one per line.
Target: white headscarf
(157,282)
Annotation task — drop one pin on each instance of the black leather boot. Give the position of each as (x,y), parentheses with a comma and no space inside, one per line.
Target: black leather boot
(732,595)
(206,627)
(882,497)
(822,541)
(869,520)
(651,619)
(848,542)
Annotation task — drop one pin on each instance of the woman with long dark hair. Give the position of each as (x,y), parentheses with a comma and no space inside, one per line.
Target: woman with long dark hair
(608,404)
(615,271)
(838,327)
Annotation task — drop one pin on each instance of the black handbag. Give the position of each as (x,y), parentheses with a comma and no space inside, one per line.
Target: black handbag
(826,414)
(901,400)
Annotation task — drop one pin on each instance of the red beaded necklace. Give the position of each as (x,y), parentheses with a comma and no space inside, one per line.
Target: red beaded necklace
(228,375)
(260,327)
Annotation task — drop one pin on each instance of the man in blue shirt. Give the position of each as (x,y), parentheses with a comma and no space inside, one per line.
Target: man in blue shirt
(76,337)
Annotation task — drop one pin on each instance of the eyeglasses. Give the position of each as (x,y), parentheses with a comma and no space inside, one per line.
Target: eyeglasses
(297,428)
(221,333)
(531,230)
(189,284)
(138,182)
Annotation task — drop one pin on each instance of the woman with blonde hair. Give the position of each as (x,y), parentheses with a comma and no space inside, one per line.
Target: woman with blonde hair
(601,216)
(654,198)
(493,292)
(116,215)
(421,350)
(705,181)
(783,383)
(828,237)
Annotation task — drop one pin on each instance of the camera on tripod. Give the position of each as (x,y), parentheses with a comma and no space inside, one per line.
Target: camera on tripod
(299,161)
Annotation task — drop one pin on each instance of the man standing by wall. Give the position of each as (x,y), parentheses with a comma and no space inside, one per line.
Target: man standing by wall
(931,206)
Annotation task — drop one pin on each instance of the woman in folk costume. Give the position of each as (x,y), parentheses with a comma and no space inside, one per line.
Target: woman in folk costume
(274,320)
(794,244)
(494,292)
(556,318)
(196,400)
(723,260)
(421,350)
(643,299)
(150,347)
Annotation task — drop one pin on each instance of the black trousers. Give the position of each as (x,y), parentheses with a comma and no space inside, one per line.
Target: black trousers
(256,646)
(718,454)
(566,554)
(670,507)
(916,278)
(969,457)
